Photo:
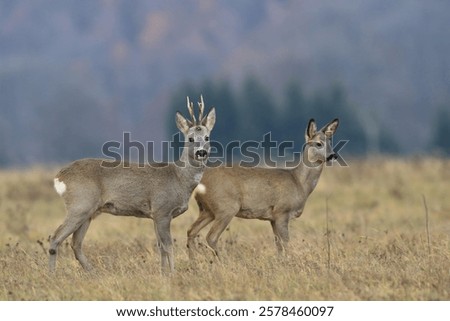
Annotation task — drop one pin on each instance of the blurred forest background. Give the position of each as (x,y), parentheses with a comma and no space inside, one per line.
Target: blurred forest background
(77,73)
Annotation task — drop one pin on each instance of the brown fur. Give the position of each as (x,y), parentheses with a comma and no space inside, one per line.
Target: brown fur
(94,186)
(273,194)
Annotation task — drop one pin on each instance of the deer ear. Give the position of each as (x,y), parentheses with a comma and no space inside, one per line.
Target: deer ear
(311,130)
(182,123)
(330,128)
(210,119)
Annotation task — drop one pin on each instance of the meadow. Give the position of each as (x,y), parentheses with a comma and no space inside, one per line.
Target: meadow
(364,235)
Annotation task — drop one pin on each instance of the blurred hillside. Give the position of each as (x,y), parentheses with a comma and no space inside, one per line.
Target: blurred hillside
(76,73)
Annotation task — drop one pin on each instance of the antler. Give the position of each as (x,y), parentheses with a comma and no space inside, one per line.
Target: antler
(190,107)
(201,107)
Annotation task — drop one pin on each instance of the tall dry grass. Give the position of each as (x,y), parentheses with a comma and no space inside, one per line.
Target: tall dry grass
(376,247)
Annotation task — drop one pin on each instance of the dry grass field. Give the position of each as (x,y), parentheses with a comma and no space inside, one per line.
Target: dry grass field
(377,247)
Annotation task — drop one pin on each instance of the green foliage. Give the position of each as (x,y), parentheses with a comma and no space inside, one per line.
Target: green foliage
(440,139)
(333,103)
(250,110)
(256,110)
(295,112)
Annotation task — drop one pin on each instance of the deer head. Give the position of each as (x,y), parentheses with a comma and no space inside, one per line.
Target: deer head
(196,131)
(318,147)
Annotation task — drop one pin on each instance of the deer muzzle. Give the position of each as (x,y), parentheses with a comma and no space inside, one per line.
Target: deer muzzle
(332,156)
(201,154)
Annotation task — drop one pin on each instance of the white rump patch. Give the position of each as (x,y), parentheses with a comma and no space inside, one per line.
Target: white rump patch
(201,189)
(60,187)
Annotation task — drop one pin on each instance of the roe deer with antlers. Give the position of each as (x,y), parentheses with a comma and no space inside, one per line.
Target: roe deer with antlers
(273,194)
(157,191)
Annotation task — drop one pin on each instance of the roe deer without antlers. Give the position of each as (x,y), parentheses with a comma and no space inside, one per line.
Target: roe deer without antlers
(159,191)
(273,194)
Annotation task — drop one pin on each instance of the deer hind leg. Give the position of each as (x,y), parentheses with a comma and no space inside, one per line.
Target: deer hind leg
(202,221)
(77,241)
(219,225)
(281,231)
(162,230)
(68,227)
(77,215)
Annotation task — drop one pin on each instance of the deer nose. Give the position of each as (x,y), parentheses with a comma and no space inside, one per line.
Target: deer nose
(332,157)
(201,153)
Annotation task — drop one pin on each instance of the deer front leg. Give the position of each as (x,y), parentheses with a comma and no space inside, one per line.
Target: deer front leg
(162,229)
(280,227)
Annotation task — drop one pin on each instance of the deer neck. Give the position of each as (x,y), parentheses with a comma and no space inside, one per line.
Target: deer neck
(308,174)
(189,170)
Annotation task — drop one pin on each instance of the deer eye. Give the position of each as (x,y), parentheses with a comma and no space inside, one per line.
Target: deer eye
(207,138)
(191,139)
(319,145)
